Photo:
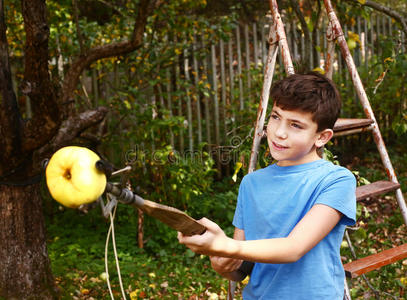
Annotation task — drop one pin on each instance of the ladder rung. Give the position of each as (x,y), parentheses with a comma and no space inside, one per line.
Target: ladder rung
(375,261)
(351,124)
(375,188)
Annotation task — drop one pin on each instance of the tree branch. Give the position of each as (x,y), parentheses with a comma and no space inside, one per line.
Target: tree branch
(386,10)
(115,49)
(70,129)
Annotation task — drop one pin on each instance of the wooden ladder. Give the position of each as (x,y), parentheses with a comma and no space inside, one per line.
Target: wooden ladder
(278,41)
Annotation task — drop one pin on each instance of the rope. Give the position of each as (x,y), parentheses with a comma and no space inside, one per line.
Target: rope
(23,182)
(111,232)
(106,260)
(4,180)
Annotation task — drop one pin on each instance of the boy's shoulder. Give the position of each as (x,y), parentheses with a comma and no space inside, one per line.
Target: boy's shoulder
(321,169)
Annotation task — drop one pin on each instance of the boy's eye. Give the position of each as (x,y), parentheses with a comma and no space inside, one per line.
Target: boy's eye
(275,117)
(295,125)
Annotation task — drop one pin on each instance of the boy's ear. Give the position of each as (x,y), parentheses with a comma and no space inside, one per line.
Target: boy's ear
(324,137)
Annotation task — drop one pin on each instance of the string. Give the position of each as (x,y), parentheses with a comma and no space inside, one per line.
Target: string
(111,232)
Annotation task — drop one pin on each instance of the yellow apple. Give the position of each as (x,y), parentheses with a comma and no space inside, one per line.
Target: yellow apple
(72,176)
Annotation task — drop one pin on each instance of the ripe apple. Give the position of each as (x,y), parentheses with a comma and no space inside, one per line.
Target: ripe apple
(72,176)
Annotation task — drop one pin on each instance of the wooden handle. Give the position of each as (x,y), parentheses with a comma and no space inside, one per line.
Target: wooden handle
(171,216)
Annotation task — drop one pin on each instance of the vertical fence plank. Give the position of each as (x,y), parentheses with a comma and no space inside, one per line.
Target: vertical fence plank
(366,46)
(160,96)
(339,63)
(224,101)
(378,32)
(295,40)
(247,55)
(239,67)
(215,95)
(231,81)
(287,28)
(206,105)
(153,116)
(318,48)
(346,75)
(169,104)
(325,43)
(223,86)
(311,52)
(189,105)
(179,101)
(197,92)
(216,109)
(263,45)
(359,52)
(390,26)
(255,45)
(372,43)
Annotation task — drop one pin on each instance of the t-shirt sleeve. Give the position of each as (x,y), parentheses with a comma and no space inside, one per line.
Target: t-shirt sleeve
(339,192)
(238,217)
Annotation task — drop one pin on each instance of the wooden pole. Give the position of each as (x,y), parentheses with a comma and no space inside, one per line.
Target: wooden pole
(197,94)
(189,105)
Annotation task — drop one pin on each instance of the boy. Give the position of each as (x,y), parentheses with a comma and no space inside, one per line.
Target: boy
(290,216)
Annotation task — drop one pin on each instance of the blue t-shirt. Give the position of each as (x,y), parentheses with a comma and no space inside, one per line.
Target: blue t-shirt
(271,202)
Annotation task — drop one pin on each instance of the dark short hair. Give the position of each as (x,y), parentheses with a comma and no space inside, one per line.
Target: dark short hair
(310,92)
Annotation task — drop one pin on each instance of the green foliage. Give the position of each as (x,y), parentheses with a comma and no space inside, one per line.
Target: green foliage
(384,83)
(138,133)
(163,269)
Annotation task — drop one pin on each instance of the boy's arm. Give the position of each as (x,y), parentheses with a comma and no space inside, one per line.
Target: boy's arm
(312,228)
(229,267)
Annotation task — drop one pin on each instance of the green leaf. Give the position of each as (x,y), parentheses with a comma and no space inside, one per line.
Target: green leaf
(189,253)
(238,166)
(360,235)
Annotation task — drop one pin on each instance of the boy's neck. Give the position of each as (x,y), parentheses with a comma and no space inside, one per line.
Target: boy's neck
(308,159)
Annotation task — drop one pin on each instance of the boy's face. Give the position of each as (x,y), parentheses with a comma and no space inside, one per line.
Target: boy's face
(293,138)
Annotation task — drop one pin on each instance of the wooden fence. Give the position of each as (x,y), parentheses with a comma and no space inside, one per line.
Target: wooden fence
(233,71)
(215,87)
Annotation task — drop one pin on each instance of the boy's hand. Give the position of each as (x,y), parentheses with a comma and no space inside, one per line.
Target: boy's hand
(212,242)
(223,265)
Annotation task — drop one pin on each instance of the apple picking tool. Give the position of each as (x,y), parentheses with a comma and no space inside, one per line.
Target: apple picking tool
(171,216)
(76,177)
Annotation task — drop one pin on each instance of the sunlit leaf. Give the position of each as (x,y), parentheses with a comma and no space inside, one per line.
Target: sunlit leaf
(238,166)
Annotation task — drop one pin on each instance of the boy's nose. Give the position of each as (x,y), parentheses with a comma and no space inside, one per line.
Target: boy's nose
(281,132)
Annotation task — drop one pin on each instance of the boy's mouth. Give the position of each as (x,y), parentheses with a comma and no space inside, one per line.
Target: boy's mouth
(278,146)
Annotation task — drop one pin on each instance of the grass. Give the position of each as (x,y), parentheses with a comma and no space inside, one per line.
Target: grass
(76,248)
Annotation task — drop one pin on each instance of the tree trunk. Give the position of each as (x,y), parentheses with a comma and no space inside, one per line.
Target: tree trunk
(25,271)
(23,245)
